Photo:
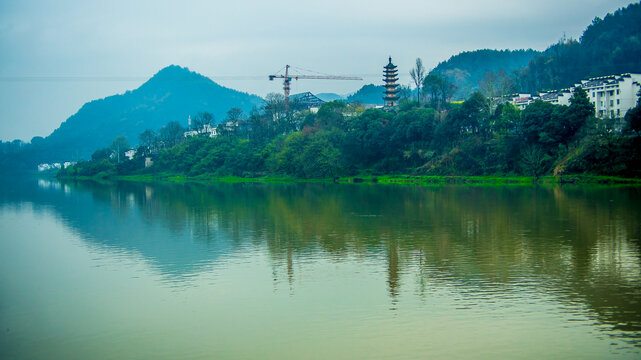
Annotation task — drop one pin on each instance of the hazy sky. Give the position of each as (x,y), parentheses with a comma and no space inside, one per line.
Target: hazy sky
(57,55)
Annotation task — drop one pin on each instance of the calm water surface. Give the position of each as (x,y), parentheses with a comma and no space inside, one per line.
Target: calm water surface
(322,271)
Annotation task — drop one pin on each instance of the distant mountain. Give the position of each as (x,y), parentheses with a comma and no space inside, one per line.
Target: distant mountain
(466,69)
(173,94)
(327,97)
(368,94)
(608,46)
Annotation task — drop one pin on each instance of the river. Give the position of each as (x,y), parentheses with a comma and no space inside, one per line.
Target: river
(318,271)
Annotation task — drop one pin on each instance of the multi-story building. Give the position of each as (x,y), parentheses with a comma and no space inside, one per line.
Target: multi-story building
(611,95)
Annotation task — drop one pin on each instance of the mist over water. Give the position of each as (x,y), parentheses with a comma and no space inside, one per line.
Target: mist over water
(318,271)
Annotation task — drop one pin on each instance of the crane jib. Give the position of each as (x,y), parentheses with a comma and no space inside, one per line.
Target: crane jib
(287,80)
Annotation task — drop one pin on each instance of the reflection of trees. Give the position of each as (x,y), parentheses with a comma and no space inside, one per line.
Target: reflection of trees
(578,244)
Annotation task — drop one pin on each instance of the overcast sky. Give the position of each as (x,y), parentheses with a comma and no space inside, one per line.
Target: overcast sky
(57,55)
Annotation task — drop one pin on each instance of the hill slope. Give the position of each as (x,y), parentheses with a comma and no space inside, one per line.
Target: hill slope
(608,46)
(466,69)
(368,94)
(173,94)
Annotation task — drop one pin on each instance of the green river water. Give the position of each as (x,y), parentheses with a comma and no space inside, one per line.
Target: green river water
(318,271)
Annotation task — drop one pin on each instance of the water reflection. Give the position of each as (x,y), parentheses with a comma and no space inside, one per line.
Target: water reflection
(579,246)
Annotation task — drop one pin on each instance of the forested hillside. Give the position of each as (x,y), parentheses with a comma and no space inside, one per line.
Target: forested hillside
(468,68)
(368,94)
(608,46)
(342,140)
(173,94)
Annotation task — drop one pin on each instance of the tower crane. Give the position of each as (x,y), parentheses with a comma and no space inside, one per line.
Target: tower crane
(288,79)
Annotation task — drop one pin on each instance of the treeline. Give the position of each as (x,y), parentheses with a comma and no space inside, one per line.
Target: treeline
(472,138)
(608,46)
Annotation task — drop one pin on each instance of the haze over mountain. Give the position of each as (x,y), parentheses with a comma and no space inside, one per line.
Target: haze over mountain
(368,94)
(608,46)
(173,94)
(466,69)
(330,96)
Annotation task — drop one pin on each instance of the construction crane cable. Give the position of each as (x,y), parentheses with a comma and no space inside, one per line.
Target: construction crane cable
(311,71)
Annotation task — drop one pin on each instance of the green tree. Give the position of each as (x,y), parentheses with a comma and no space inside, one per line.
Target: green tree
(440,90)
(432,84)
(580,113)
(505,119)
(331,114)
(148,141)
(533,160)
(101,154)
(534,121)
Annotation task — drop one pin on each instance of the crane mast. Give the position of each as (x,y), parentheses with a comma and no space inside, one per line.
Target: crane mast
(287,80)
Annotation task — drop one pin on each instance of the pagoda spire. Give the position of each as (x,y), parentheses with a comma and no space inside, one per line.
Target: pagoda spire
(390,77)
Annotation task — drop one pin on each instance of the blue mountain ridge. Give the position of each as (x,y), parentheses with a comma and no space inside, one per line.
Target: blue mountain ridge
(172,94)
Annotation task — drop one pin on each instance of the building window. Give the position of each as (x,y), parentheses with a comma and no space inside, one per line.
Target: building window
(617,91)
(611,102)
(611,113)
(601,103)
(611,92)
(618,101)
(618,112)
(593,94)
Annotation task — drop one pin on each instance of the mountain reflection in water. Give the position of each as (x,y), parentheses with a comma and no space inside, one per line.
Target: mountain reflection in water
(577,245)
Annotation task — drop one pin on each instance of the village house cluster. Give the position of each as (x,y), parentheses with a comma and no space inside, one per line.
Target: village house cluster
(57,166)
(611,95)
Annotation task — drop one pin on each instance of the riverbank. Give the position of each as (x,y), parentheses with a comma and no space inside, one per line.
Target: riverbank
(386,179)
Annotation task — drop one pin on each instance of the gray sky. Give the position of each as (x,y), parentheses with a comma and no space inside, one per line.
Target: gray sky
(57,55)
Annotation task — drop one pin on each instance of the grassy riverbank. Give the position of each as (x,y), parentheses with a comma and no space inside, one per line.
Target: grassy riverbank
(392,179)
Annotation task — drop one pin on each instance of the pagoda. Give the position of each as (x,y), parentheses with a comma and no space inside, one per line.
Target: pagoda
(390,76)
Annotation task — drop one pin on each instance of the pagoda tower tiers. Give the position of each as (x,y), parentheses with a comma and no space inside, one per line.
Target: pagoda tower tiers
(390,77)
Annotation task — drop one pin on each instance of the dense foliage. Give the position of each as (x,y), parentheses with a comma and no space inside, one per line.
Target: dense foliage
(608,46)
(611,45)
(469,137)
(173,94)
(472,138)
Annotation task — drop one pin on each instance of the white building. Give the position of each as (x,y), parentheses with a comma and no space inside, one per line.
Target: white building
(612,96)
(560,97)
(130,154)
(205,130)
(521,101)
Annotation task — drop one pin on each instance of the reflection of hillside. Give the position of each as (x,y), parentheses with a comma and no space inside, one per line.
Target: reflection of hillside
(118,218)
(579,245)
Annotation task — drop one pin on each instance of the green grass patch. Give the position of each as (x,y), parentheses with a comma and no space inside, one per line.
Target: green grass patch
(423,180)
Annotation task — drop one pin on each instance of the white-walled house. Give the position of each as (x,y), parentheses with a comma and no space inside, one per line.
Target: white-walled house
(521,101)
(64,165)
(612,96)
(206,129)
